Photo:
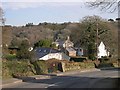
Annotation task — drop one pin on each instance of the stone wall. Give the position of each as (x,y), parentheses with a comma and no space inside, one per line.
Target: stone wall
(68,66)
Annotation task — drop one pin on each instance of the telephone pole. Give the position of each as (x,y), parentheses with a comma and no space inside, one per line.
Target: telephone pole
(97,41)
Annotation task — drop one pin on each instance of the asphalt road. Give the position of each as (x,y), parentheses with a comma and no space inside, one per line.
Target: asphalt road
(97,79)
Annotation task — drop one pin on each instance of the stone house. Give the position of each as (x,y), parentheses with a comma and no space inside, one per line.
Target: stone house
(66,46)
(70,51)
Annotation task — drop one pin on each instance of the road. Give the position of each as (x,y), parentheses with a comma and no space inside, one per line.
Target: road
(95,79)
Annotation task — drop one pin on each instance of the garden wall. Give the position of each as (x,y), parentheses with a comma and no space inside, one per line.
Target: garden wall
(76,65)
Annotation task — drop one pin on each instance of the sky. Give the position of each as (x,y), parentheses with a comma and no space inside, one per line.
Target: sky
(21,13)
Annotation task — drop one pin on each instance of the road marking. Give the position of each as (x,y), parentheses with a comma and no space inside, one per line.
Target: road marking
(55,84)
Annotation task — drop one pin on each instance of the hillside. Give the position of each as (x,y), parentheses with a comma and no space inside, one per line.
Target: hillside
(34,33)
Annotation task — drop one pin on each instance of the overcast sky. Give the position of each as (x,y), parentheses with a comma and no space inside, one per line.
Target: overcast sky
(20,13)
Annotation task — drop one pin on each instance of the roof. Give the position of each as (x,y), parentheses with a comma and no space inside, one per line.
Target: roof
(70,49)
(60,42)
(13,47)
(42,51)
(101,44)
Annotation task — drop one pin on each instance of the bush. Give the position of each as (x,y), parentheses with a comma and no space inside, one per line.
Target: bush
(23,52)
(10,57)
(101,65)
(104,59)
(5,71)
(16,68)
(40,67)
(55,65)
(43,43)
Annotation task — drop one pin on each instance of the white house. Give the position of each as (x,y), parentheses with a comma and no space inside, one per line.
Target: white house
(102,50)
(58,56)
(44,53)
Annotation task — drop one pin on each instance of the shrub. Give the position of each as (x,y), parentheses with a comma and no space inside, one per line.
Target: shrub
(55,65)
(101,65)
(16,68)
(104,59)
(43,43)
(40,67)
(10,57)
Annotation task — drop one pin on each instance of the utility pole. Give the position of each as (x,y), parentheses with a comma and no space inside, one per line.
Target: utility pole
(97,41)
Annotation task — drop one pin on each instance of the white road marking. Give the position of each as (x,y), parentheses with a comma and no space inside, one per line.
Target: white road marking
(55,84)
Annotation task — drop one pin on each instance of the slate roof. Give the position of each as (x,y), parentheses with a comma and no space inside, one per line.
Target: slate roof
(60,42)
(70,49)
(42,51)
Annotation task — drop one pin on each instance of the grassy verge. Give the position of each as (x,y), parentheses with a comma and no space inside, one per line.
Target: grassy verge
(12,68)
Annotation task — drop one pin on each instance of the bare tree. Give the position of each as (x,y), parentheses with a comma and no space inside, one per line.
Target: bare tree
(105,5)
(2,19)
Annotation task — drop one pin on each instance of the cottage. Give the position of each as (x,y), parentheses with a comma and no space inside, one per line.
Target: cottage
(59,43)
(44,53)
(13,50)
(68,43)
(70,51)
(63,44)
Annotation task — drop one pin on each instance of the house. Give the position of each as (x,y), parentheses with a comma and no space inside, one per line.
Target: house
(102,51)
(79,51)
(70,51)
(59,43)
(13,49)
(63,44)
(44,53)
(66,46)
(68,43)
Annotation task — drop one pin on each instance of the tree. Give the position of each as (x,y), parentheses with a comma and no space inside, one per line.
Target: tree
(2,19)
(43,43)
(111,20)
(29,24)
(104,5)
(15,42)
(23,53)
(87,34)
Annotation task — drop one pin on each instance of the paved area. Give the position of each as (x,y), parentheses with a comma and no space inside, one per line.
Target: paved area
(106,78)
(19,80)
(23,79)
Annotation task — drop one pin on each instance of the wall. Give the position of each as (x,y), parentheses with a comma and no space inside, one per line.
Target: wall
(76,66)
